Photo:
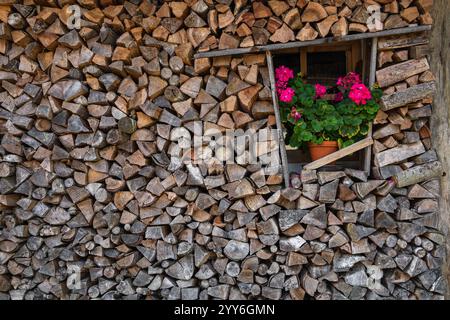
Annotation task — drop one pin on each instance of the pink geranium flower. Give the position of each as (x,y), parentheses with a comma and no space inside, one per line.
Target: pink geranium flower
(284,74)
(339,97)
(349,80)
(280,86)
(359,94)
(295,114)
(286,95)
(320,90)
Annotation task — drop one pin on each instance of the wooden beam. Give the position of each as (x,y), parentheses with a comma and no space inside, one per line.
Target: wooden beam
(339,154)
(299,44)
(373,61)
(282,146)
(372,72)
(363,44)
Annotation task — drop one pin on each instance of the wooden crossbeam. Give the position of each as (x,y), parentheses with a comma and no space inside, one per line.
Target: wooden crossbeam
(299,44)
(339,154)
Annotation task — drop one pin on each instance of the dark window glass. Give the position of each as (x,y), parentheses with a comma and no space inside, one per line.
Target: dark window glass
(290,60)
(326,67)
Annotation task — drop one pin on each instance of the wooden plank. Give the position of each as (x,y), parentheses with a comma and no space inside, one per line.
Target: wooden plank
(402,41)
(282,146)
(363,46)
(299,44)
(373,61)
(372,72)
(339,154)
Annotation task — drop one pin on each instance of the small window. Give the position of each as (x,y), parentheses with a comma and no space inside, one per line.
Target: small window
(323,64)
(291,60)
(288,58)
(326,67)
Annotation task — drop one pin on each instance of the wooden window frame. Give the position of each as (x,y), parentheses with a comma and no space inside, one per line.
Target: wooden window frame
(366,143)
(355,52)
(352,52)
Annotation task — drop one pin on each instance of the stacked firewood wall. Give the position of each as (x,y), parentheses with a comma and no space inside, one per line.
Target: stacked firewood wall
(98,202)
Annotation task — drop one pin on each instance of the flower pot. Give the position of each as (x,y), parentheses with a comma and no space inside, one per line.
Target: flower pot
(318,151)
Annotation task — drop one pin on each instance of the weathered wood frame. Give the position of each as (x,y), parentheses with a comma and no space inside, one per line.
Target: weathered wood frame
(363,144)
(351,62)
(352,52)
(281,144)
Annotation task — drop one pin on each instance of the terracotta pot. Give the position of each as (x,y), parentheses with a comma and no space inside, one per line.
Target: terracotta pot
(318,151)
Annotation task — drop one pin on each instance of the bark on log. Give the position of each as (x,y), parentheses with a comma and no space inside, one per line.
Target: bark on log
(418,174)
(401,71)
(398,154)
(413,94)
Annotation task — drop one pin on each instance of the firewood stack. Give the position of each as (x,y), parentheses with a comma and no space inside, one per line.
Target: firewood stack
(252,23)
(97,201)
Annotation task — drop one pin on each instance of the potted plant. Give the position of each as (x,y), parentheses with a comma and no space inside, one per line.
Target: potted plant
(325,119)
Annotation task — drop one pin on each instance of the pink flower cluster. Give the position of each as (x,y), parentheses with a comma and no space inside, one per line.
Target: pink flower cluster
(338,97)
(320,90)
(283,75)
(351,83)
(349,80)
(359,93)
(286,94)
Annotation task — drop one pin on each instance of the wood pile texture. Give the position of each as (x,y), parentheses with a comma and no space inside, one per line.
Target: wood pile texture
(96,202)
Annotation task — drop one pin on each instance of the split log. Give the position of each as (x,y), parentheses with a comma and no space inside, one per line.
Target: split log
(314,12)
(412,94)
(401,71)
(307,33)
(418,174)
(400,153)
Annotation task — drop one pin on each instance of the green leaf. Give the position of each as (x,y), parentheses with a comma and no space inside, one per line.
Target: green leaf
(349,131)
(306,135)
(364,129)
(318,140)
(347,143)
(316,126)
